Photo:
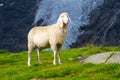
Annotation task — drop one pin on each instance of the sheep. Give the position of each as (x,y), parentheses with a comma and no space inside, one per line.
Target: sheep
(52,36)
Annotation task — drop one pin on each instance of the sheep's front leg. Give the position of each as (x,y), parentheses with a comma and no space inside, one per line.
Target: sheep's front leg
(39,58)
(59,60)
(54,61)
(55,50)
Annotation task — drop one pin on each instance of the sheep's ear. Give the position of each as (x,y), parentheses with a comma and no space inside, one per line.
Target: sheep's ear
(60,22)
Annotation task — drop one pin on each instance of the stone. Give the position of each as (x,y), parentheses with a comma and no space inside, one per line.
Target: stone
(115,58)
(108,57)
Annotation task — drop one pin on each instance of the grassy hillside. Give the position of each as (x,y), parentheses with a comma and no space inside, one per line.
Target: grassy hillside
(14,66)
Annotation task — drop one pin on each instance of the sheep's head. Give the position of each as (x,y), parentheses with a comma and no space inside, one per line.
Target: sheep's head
(63,19)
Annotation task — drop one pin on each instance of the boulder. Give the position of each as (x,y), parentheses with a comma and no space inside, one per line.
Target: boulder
(109,57)
(114,59)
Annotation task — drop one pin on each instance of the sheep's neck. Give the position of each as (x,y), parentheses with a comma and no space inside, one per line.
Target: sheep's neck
(65,28)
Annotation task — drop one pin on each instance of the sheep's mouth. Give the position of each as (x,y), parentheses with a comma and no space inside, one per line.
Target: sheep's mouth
(67,21)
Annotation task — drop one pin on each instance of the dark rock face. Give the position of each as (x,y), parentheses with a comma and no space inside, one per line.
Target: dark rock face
(16,18)
(104,27)
(93,21)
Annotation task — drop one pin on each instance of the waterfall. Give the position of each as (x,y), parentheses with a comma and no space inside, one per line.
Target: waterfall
(78,10)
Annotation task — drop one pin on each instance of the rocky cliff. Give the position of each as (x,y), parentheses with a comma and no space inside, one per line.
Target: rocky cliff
(16,18)
(92,21)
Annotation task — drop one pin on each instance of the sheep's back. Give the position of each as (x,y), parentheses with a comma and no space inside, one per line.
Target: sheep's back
(39,36)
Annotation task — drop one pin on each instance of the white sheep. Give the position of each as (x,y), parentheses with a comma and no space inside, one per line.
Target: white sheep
(52,36)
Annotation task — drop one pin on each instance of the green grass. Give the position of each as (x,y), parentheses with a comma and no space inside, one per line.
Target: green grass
(13,66)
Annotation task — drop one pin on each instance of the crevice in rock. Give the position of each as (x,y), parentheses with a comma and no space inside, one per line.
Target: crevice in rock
(109,57)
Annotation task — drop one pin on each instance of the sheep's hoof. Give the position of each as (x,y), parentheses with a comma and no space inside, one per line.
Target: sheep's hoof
(40,63)
(54,63)
(28,64)
(60,63)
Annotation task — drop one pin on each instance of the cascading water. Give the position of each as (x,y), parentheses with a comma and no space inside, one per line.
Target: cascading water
(79,10)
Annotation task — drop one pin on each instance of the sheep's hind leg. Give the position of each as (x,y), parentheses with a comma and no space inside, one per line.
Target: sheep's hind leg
(30,50)
(29,56)
(39,57)
(59,60)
